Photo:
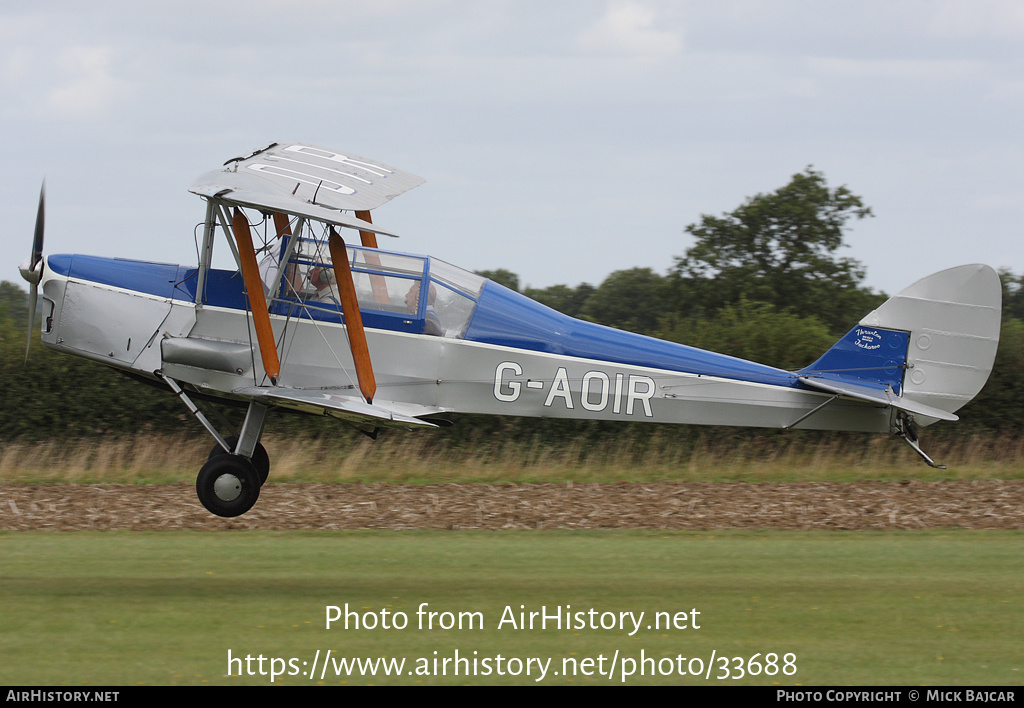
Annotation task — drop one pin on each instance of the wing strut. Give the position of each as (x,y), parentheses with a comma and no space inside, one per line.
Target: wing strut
(281,225)
(368,238)
(257,298)
(377,282)
(353,318)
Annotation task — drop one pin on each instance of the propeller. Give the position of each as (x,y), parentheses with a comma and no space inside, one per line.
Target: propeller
(32,267)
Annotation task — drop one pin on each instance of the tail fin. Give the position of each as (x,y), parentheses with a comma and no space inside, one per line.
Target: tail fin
(926,351)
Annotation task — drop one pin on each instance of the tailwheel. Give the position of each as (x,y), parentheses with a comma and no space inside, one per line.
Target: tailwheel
(228,485)
(260,459)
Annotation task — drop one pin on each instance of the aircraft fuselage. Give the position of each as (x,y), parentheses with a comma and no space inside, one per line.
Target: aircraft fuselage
(512,356)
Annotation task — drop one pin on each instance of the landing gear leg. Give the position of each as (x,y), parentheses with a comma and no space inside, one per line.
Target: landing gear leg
(229,483)
(906,429)
(260,459)
(247,443)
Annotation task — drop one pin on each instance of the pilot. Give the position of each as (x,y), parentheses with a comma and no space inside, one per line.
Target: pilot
(412,301)
(323,279)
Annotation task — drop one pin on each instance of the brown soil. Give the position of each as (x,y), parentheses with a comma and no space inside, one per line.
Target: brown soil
(661,505)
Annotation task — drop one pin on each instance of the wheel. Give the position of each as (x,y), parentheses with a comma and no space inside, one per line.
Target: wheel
(228,485)
(260,458)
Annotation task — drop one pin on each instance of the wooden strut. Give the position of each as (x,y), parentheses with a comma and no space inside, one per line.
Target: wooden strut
(377,282)
(281,225)
(367,238)
(257,298)
(353,318)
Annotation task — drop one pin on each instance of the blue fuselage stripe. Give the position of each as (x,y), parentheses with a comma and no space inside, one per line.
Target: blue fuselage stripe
(502,317)
(224,288)
(506,318)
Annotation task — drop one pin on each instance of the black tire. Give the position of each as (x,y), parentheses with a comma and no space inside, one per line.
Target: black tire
(260,459)
(228,485)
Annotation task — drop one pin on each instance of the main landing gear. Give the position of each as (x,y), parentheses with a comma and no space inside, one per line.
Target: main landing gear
(229,483)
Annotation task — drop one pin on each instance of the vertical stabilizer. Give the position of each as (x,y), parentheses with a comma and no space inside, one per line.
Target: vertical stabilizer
(953,319)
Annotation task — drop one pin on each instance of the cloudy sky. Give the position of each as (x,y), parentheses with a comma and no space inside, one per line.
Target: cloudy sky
(560,139)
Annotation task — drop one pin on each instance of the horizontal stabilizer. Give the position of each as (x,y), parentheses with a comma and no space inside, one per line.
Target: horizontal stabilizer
(348,408)
(875,395)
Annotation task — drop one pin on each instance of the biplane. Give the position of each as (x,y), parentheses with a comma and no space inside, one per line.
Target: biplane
(380,338)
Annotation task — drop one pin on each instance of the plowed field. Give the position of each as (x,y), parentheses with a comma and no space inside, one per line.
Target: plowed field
(660,505)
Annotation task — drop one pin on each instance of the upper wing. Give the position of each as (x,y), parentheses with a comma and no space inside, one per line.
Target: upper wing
(309,181)
(347,408)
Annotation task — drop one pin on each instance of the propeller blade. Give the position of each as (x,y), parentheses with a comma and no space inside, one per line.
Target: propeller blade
(37,241)
(34,271)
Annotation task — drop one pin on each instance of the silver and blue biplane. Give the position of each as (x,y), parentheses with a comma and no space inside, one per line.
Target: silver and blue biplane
(377,338)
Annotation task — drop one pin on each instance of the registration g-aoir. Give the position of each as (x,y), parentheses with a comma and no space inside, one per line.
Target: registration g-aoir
(377,338)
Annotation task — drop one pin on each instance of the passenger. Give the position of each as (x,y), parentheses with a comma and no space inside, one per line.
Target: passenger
(323,279)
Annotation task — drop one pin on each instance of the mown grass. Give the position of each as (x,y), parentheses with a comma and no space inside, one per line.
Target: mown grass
(164,608)
(421,458)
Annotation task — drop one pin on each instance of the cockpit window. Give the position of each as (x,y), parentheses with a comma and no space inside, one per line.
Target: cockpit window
(457,293)
(448,275)
(385,282)
(381,279)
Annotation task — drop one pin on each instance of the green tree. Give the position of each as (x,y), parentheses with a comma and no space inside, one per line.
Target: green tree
(13,304)
(755,331)
(567,300)
(1013,294)
(502,277)
(779,248)
(634,300)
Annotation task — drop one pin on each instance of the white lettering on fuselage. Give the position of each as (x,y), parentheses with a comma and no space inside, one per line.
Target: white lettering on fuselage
(560,389)
(500,383)
(595,394)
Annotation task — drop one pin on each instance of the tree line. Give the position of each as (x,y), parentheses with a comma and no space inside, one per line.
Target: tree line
(766,282)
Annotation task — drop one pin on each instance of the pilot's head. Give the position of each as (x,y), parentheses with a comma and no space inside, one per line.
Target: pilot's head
(321,277)
(412,298)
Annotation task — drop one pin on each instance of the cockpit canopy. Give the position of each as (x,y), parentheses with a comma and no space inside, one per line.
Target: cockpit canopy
(388,286)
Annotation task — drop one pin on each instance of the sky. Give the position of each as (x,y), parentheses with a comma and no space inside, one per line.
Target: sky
(561,140)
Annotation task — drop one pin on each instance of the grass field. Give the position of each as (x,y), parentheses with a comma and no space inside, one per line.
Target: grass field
(667,455)
(865,608)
